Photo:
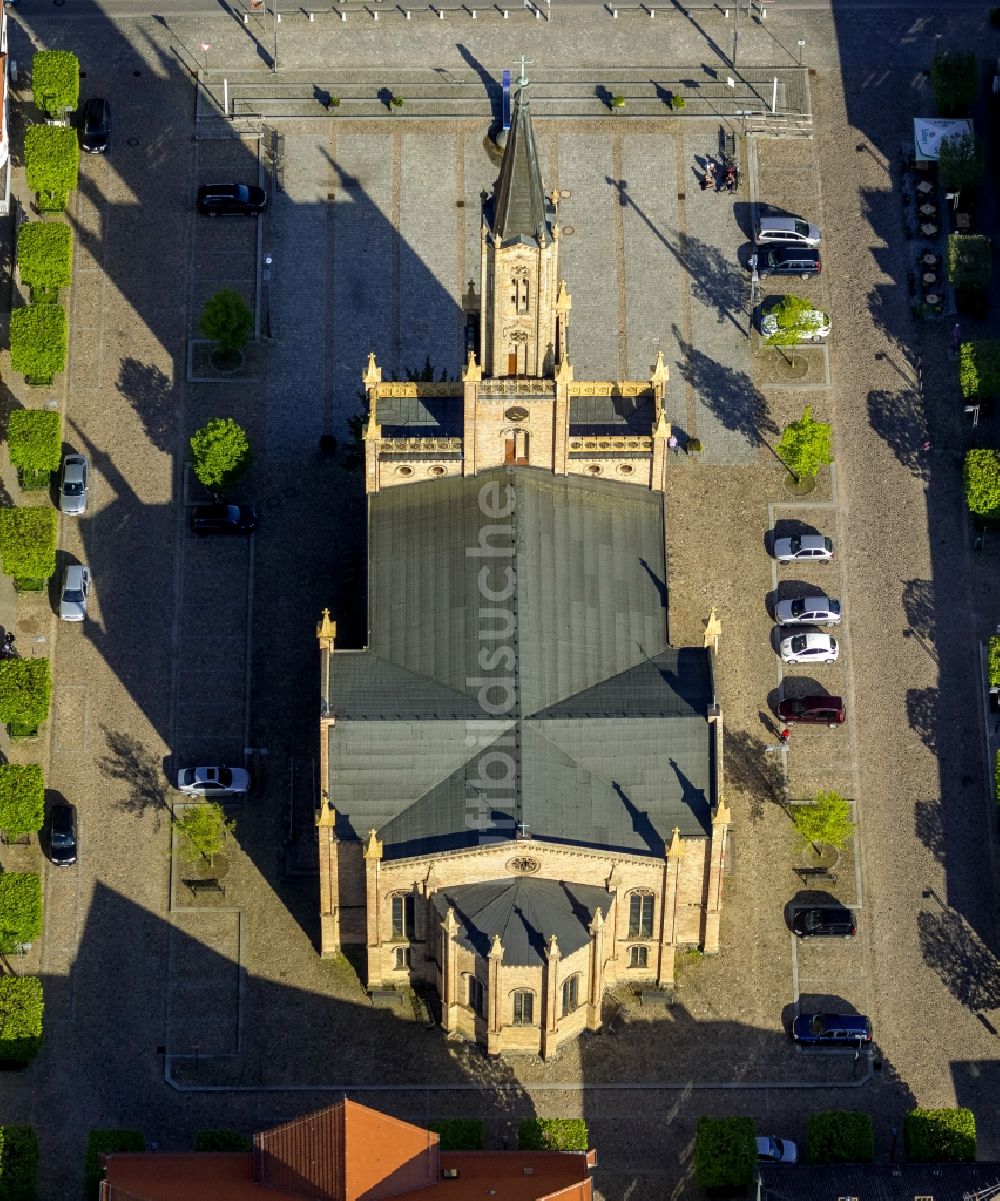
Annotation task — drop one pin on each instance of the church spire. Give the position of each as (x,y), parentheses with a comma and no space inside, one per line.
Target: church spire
(520,210)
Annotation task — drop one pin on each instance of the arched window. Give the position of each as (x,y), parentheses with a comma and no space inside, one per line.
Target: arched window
(477,996)
(402,915)
(523,296)
(640,915)
(524,1007)
(570,994)
(638,956)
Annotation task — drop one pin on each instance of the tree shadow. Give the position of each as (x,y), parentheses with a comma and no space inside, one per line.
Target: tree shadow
(129,760)
(928,825)
(751,770)
(150,393)
(898,419)
(921,712)
(729,394)
(919,607)
(967,967)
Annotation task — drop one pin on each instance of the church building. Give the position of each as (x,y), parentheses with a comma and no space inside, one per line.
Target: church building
(521,777)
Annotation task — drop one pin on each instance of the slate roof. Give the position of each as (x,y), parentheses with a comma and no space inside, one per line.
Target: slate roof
(520,208)
(525,912)
(421,416)
(561,708)
(877,1182)
(610,415)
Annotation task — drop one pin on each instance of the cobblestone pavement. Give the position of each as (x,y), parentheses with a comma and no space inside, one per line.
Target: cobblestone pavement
(126,977)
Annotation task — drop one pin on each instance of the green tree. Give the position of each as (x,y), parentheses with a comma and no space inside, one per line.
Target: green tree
(45,256)
(28,546)
(203,829)
(38,342)
(22,799)
(55,81)
(460,1134)
(725,1152)
(25,693)
(970,260)
(221,1140)
(840,1136)
(979,368)
(981,476)
(940,1135)
(553,1134)
(227,320)
(20,909)
(797,320)
(34,442)
(51,164)
(954,80)
(805,446)
(21,1009)
(104,1142)
(960,162)
(220,451)
(825,820)
(18,1163)
(993,660)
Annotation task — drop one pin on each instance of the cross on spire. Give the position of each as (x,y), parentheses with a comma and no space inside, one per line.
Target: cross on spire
(525,62)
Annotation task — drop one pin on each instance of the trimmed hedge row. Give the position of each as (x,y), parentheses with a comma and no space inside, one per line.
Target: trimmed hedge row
(21,1008)
(940,1135)
(553,1134)
(18,1163)
(103,1142)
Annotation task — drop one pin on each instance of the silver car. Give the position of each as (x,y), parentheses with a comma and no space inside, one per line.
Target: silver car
(74,485)
(213,781)
(818,610)
(803,548)
(808,647)
(75,593)
(786,229)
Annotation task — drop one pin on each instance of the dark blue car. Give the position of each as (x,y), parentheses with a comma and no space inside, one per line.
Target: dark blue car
(832,1030)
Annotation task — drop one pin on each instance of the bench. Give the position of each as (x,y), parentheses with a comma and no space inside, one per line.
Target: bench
(198,886)
(816,873)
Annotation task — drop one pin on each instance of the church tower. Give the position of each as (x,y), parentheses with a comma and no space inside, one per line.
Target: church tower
(519,334)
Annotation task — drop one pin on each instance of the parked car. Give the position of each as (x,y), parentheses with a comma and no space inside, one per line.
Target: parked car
(832,1029)
(812,548)
(62,835)
(815,325)
(776,1150)
(816,610)
(223,519)
(786,229)
(95,129)
(213,781)
(231,200)
(825,921)
(817,710)
(75,593)
(809,647)
(74,485)
(779,259)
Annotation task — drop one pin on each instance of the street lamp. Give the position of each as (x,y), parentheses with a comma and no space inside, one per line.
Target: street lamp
(802,46)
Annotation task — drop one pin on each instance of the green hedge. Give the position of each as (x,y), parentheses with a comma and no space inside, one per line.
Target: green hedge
(51,164)
(21,1008)
(18,1163)
(553,1134)
(960,163)
(981,477)
(841,1136)
(940,1135)
(460,1134)
(34,442)
(22,798)
(221,1140)
(38,342)
(55,81)
(725,1152)
(103,1142)
(20,909)
(970,260)
(45,254)
(979,368)
(954,82)
(28,543)
(25,691)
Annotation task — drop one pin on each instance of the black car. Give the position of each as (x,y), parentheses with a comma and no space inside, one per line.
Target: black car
(95,132)
(231,199)
(849,1030)
(223,519)
(781,259)
(825,921)
(62,837)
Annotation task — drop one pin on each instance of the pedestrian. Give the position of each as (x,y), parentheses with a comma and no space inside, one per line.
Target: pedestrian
(926,445)
(730,184)
(784,735)
(672,443)
(708,179)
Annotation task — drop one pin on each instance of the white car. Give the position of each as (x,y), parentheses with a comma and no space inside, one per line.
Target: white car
(213,781)
(803,548)
(786,229)
(818,610)
(810,646)
(74,594)
(815,325)
(776,1150)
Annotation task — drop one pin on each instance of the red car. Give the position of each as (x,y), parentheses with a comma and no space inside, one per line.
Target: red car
(818,710)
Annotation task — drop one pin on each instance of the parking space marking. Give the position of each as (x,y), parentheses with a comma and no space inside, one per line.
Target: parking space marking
(71,719)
